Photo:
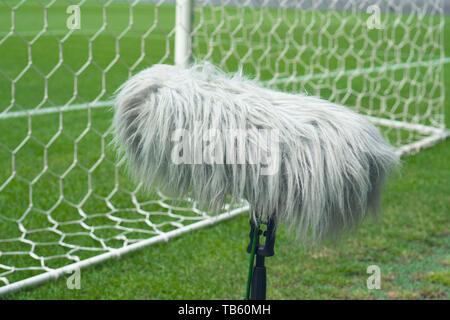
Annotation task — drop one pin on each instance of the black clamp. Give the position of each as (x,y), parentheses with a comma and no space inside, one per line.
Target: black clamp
(266,249)
(258,277)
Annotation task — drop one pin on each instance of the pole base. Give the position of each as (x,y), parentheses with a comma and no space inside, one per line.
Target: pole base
(258,278)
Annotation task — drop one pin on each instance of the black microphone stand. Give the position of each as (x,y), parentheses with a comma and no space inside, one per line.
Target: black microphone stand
(259,278)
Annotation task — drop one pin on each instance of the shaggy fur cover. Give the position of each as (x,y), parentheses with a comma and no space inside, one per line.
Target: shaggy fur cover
(319,166)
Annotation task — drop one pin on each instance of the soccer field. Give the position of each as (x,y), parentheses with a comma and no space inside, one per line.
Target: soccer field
(62,198)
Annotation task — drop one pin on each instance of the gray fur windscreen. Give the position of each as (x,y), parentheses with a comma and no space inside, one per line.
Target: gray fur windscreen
(216,138)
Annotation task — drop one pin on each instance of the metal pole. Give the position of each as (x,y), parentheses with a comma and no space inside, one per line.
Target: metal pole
(258,275)
(183,32)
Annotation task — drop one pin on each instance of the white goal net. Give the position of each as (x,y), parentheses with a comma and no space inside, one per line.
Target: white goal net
(65,202)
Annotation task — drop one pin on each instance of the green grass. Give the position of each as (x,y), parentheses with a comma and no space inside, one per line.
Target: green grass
(410,243)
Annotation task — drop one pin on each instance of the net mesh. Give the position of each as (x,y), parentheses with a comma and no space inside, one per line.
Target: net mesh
(382,58)
(63,196)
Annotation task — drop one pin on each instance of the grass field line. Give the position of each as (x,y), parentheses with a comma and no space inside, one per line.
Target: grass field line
(54,109)
(359,71)
(353,72)
(81,32)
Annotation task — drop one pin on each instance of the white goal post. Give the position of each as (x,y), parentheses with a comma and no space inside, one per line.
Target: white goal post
(65,202)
